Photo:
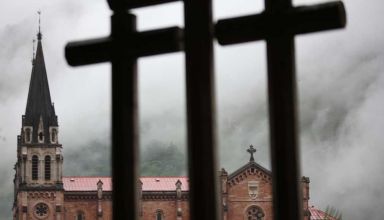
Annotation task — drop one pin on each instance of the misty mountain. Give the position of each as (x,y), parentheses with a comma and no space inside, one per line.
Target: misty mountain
(157,159)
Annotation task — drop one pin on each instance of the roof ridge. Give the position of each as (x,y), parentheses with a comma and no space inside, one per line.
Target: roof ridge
(86,176)
(164,177)
(139,177)
(246,166)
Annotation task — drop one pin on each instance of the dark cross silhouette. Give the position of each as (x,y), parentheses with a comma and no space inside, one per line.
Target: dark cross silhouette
(277,25)
(251,151)
(122,48)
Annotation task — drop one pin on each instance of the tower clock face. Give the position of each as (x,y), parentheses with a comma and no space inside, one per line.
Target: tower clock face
(41,210)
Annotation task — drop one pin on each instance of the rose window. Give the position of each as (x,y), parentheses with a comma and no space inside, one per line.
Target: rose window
(254,213)
(41,210)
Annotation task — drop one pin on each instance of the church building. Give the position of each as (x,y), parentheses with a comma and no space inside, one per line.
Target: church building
(42,192)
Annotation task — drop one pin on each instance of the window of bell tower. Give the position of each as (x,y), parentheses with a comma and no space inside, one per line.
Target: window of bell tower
(35,163)
(47,163)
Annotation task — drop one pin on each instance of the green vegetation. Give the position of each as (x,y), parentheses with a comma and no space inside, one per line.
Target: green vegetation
(90,160)
(162,160)
(158,159)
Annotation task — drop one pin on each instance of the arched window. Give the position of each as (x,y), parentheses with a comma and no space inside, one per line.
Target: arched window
(254,213)
(80,215)
(159,215)
(35,166)
(47,163)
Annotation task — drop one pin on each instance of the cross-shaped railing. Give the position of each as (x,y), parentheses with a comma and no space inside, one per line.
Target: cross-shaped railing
(277,25)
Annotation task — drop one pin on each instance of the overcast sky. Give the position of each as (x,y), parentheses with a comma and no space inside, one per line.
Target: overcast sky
(340,81)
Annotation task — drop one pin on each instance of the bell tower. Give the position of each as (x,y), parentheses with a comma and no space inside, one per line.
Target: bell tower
(38,186)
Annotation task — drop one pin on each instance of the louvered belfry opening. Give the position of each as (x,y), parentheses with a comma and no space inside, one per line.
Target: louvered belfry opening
(277,25)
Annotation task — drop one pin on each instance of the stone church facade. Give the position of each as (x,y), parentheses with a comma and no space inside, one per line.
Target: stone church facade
(42,192)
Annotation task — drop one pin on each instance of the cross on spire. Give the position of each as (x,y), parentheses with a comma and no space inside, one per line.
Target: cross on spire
(39,33)
(251,151)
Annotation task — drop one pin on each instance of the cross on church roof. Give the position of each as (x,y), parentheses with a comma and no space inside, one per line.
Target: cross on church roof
(251,151)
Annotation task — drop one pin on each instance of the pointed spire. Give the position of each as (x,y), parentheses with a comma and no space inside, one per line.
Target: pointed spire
(39,105)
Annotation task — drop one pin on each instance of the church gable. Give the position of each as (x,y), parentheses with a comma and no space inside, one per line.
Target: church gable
(250,182)
(250,169)
(248,191)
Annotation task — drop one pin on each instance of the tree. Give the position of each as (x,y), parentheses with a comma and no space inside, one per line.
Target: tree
(162,160)
(332,213)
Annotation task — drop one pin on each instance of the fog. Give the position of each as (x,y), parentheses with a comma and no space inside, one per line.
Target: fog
(340,85)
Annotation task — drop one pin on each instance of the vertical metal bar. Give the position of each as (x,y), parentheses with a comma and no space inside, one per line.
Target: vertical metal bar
(124,119)
(201,110)
(283,128)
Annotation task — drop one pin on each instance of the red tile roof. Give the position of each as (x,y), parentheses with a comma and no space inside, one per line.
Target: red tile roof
(317,214)
(83,183)
(164,183)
